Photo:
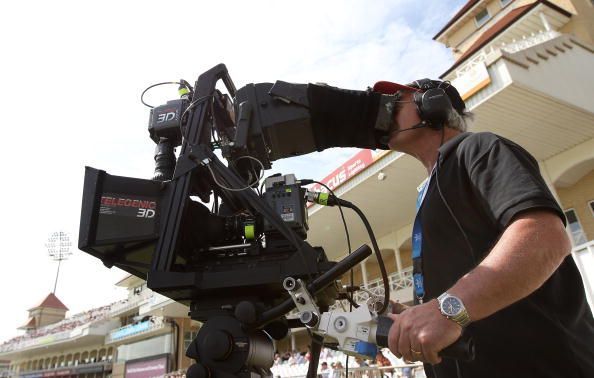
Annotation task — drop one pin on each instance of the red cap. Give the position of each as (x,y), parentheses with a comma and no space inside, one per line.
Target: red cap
(389,88)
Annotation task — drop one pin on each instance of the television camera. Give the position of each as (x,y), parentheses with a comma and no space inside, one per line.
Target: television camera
(243,264)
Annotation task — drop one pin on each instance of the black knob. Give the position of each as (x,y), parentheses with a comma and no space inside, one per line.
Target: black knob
(245,312)
(217,345)
(197,371)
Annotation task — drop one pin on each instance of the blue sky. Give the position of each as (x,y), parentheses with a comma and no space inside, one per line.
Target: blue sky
(72,73)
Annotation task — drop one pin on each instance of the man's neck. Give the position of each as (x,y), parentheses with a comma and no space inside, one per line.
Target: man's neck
(426,150)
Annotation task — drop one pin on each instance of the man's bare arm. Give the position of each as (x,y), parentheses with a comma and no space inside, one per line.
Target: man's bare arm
(531,248)
(528,252)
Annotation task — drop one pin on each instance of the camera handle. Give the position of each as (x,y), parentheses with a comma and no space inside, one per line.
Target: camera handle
(358,333)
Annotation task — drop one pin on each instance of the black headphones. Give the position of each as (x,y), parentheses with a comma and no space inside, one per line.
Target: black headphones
(432,101)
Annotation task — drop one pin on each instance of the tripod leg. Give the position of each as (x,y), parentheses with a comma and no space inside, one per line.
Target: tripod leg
(316,348)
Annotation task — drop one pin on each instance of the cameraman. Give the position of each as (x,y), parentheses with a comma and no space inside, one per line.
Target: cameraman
(490,251)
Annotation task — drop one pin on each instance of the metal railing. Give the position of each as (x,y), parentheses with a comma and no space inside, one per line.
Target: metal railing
(131,330)
(397,281)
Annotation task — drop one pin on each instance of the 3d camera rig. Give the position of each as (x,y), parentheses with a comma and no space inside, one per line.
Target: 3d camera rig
(244,264)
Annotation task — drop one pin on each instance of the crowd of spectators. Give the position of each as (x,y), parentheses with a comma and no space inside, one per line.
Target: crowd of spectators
(332,365)
(303,357)
(181,373)
(70,323)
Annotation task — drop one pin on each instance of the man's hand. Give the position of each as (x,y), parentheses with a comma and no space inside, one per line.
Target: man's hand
(419,333)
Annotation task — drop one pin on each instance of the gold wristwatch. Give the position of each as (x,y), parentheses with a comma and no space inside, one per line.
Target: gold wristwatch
(452,308)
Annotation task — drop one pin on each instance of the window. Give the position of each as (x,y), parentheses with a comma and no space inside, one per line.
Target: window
(505,2)
(482,17)
(575,228)
(189,337)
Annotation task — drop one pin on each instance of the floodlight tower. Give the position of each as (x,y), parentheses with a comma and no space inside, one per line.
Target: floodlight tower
(58,247)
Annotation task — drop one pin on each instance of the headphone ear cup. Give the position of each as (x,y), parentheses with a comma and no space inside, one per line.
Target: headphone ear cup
(434,105)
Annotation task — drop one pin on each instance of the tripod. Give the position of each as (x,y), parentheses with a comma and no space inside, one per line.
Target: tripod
(223,349)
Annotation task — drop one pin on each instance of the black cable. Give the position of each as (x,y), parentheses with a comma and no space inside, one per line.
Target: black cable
(261,207)
(351,278)
(346,229)
(187,85)
(215,205)
(183,128)
(447,205)
(260,177)
(458,372)
(192,105)
(434,372)
(184,83)
(376,249)
(351,302)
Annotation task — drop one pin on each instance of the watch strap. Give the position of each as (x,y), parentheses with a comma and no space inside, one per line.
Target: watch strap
(463,319)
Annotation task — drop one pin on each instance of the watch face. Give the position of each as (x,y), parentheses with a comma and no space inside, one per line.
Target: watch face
(451,306)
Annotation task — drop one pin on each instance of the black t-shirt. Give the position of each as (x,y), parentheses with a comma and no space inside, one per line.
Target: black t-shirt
(486,180)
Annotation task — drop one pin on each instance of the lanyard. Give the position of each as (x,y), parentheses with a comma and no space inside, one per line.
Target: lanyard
(417,243)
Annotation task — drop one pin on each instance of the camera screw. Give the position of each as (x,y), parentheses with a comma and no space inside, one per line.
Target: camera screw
(290,284)
(300,300)
(340,324)
(309,318)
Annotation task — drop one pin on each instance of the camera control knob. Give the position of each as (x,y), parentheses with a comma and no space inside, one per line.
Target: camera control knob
(309,318)
(217,345)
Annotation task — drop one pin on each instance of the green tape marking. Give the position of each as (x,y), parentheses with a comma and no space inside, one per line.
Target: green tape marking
(249,231)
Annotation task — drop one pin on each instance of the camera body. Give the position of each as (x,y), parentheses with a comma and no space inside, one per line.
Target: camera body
(248,243)
(228,260)
(240,250)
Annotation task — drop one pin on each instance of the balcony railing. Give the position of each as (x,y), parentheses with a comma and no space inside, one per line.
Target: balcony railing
(397,281)
(529,41)
(130,303)
(132,330)
(488,54)
(37,341)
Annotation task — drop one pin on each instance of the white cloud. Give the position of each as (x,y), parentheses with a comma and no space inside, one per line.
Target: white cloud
(71,77)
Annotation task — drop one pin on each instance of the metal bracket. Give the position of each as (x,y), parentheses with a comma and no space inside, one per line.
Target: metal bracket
(309,314)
